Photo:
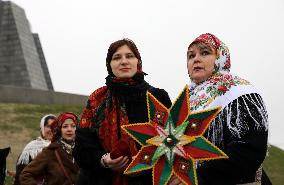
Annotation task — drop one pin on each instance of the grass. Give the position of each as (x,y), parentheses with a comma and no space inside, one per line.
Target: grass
(274,165)
(19,124)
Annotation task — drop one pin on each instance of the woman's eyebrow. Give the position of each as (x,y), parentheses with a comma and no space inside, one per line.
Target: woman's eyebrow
(190,51)
(205,47)
(116,55)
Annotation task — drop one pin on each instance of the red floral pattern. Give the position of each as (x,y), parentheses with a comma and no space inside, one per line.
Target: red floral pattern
(217,85)
(107,125)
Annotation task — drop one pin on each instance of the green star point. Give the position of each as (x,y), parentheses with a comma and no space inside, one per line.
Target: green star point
(181,129)
(161,150)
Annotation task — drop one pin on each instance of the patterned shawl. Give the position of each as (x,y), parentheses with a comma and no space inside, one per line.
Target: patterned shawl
(106,112)
(221,89)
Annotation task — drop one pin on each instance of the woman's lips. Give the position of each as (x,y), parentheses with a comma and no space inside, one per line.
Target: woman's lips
(197,68)
(125,69)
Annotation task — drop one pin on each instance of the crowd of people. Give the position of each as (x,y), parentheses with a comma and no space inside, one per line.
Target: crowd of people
(77,151)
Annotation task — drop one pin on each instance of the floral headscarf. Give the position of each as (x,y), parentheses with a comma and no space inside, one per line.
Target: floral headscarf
(223,62)
(211,92)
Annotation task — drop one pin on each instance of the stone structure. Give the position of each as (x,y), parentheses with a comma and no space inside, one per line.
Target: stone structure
(11,94)
(22,62)
(24,75)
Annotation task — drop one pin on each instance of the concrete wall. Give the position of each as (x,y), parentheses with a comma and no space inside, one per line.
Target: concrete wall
(10,94)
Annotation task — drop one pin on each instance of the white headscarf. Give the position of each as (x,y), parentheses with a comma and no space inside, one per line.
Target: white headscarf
(43,119)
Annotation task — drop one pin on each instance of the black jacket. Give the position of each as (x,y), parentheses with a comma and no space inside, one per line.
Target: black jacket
(246,152)
(88,151)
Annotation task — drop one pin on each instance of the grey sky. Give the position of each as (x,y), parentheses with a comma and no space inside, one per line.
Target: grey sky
(75,36)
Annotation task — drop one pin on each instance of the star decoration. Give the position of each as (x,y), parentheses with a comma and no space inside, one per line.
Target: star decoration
(172,140)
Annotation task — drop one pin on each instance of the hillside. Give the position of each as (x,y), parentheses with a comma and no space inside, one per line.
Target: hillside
(19,124)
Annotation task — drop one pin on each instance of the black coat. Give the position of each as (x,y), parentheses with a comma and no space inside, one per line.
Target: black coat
(3,154)
(246,152)
(88,151)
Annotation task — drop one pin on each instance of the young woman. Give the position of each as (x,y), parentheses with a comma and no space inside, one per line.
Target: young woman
(122,101)
(55,162)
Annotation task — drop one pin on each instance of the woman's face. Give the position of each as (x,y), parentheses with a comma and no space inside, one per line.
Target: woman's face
(47,130)
(124,63)
(68,129)
(200,62)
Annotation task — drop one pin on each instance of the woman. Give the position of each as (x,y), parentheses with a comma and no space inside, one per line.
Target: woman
(241,128)
(55,162)
(33,148)
(102,149)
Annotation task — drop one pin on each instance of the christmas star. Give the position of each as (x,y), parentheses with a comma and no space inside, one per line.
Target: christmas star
(172,140)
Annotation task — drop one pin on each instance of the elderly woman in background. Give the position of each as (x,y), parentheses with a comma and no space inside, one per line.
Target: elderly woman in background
(55,162)
(240,129)
(33,148)
(103,150)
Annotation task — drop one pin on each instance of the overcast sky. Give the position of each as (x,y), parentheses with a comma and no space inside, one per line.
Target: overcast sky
(75,35)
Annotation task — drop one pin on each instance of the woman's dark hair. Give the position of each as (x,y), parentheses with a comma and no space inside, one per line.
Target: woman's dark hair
(48,118)
(117,44)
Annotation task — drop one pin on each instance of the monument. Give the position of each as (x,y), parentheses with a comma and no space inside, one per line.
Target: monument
(24,75)
(22,61)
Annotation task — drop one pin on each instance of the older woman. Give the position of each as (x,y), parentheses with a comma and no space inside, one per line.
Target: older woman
(241,128)
(102,149)
(55,162)
(33,148)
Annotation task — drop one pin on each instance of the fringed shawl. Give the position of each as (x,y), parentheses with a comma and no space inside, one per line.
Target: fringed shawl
(238,98)
(32,149)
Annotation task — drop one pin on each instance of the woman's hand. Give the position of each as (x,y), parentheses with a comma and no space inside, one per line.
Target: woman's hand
(175,181)
(118,164)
